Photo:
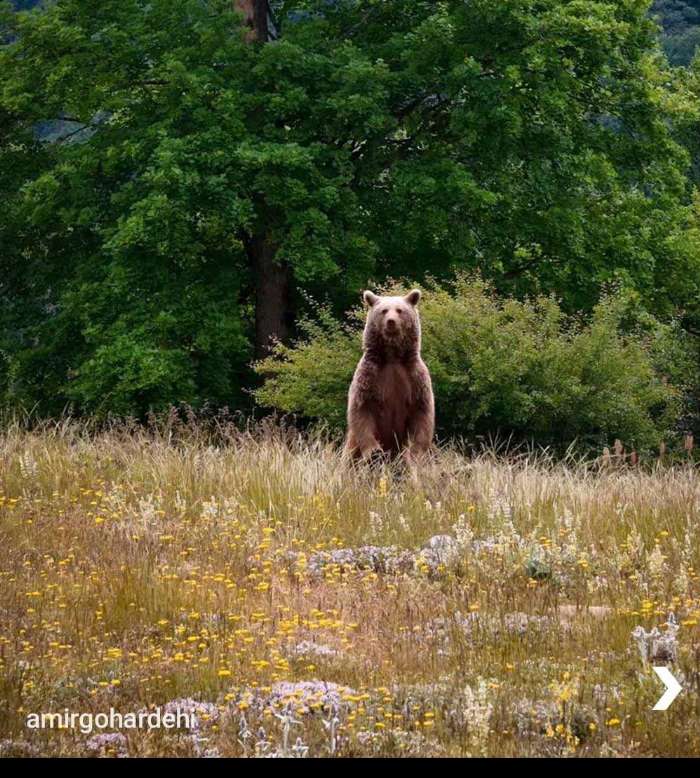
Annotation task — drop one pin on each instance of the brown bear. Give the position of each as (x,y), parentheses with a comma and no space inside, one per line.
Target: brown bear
(390,403)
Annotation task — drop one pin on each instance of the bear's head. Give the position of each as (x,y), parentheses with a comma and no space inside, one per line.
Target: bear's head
(393,325)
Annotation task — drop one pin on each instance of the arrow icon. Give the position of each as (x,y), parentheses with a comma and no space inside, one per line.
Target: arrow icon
(673,688)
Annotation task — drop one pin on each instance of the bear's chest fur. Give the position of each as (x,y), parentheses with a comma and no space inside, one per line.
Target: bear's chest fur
(395,397)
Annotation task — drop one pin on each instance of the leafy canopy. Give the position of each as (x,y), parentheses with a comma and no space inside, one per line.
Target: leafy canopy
(142,144)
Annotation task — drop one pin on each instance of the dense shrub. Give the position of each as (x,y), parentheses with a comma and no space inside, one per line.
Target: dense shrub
(504,367)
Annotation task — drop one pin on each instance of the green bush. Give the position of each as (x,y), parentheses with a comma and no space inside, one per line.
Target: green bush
(508,368)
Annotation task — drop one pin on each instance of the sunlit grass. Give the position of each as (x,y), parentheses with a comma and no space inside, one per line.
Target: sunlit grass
(144,566)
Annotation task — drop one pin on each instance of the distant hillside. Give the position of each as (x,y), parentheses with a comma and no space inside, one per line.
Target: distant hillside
(680,21)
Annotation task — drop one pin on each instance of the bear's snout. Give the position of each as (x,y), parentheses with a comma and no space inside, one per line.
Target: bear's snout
(392,322)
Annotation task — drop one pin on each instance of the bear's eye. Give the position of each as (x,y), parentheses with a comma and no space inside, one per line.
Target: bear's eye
(386,310)
(399,311)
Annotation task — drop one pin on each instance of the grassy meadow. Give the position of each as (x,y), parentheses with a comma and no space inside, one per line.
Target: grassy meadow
(498,606)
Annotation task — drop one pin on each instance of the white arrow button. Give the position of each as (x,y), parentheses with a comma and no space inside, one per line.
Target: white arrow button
(673,688)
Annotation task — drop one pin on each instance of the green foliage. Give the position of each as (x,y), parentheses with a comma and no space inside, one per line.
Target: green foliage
(144,147)
(312,377)
(520,368)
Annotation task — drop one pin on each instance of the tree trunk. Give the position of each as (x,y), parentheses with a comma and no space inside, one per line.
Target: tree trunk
(273,309)
(255,13)
(273,280)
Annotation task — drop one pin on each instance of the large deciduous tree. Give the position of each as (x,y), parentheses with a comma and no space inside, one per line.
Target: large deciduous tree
(201,177)
(272,277)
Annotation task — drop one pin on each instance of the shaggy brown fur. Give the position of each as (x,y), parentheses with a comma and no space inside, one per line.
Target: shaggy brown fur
(390,403)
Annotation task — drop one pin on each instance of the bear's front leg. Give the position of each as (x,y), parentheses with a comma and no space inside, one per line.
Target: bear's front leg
(362,441)
(421,428)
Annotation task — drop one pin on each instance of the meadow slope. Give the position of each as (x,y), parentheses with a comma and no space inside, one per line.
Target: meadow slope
(301,608)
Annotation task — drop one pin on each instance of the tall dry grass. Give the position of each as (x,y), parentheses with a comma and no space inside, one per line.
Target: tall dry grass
(244,571)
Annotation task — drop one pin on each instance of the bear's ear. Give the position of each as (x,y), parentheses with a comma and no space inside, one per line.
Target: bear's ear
(413,297)
(370,298)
